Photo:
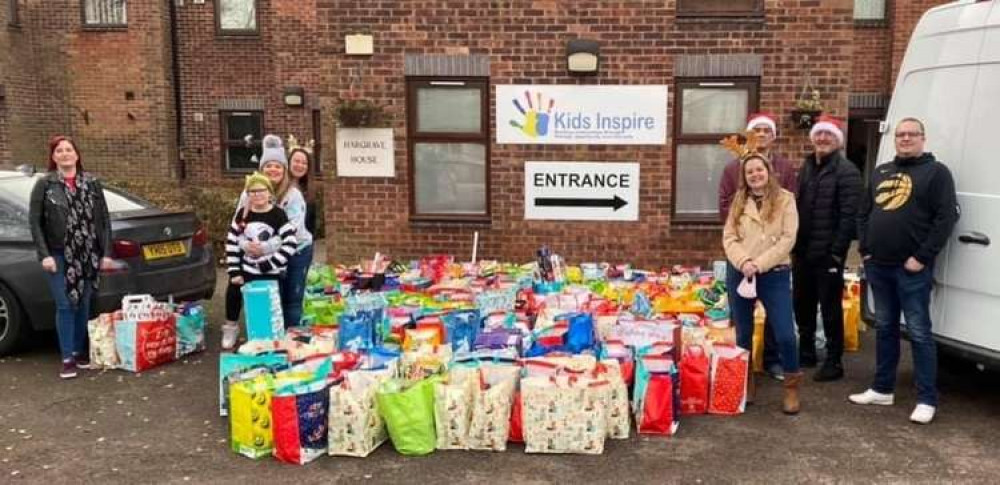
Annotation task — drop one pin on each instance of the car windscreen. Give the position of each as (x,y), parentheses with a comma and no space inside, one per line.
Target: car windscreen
(17,191)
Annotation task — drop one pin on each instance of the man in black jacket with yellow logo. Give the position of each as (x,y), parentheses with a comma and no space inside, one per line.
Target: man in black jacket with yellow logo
(906,219)
(828,198)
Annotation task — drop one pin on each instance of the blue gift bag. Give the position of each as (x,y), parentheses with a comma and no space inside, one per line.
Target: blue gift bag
(461,329)
(262,302)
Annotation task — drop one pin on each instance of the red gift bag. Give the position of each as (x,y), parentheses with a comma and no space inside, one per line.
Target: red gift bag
(516,434)
(729,380)
(658,396)
(694,381)
(145,344)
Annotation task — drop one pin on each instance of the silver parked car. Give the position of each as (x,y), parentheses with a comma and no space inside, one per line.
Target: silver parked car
(156,252)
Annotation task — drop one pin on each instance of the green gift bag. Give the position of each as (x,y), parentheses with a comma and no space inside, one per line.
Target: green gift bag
(408,412)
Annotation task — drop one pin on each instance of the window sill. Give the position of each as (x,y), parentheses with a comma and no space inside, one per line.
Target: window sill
(105,28)
(750,18)
(237,35)
(871,23)
(696,222)
(480,221)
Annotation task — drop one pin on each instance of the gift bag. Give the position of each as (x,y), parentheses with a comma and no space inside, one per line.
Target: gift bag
(145,344)
(101,332)
(580,333)
(190,329)
(250,425)
(618,405)
(232,364)
(461,328)
(516,433)
(694,369)
(357,330)
(355,427)
(453,399)
(852,324)
(757,356)
(489,427)
(656,395)
(563,415)
(729,380)
(408,411)
(264,318)
(300,417)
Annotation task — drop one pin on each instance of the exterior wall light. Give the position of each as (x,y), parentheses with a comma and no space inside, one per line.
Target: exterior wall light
(582,57)
(294,96)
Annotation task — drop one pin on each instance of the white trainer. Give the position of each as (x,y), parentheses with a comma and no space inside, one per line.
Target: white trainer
(871,397)
(923,414)
(230,333)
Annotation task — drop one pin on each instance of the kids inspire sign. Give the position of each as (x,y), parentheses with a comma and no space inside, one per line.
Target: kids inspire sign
(572,115)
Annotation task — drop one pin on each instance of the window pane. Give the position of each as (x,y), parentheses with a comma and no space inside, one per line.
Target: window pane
(450,178)
(449,110)
(239,125)
(241,157)
(14,223)
(237,14)
(104,12)
(714,110)
(869,9)
(120,203)
(699,169)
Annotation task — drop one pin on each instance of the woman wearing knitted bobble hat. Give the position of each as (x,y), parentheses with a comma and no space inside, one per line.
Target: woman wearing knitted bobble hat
(288,197)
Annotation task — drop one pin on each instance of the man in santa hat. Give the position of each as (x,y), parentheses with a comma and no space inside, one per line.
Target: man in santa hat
(828,200)
(764,126)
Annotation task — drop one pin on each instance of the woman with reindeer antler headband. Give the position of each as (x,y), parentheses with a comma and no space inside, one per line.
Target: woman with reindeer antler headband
(758,238)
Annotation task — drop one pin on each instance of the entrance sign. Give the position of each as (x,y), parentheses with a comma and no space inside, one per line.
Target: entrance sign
(365,152)
(581,191)
(581,115)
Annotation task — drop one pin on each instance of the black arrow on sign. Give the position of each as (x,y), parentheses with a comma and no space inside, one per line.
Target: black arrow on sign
(616,202)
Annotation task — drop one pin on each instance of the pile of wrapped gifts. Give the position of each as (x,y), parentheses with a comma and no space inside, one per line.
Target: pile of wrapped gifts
(145,333)
(442,355)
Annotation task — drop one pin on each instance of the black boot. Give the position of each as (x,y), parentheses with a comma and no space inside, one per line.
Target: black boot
(807,358)
(831,371)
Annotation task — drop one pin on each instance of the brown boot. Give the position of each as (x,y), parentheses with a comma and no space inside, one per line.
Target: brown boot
(751,387)
(791,401)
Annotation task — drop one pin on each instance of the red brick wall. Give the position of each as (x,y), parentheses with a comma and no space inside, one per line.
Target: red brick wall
(526,43)
(215,68)
(870,72)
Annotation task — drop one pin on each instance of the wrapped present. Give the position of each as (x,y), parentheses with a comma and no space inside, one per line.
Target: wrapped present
(657,395)
(408,410)
(564,415)
(101,333)
(694,375)
(357,330)
(232,364)
(501,338)
(190,329)
(145,344)
(730,365)
(453,401)
(322,310)
(300,417)
(356,428)
(264,319)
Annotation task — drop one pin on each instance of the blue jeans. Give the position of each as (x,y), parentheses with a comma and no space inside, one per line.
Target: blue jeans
(774,289)
(897,290)
(71,322)
(733,277)
(293,285)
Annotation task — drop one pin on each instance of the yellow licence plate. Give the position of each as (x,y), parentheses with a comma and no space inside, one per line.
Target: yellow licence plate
(164,250)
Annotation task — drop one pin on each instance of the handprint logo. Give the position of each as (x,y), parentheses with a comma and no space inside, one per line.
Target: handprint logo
(536,121)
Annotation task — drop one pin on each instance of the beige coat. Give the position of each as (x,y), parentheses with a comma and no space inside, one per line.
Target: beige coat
(767,244)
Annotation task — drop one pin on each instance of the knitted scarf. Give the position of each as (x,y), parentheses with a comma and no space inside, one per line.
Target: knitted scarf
(82,254)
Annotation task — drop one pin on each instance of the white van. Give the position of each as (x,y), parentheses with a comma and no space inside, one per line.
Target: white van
(950,79)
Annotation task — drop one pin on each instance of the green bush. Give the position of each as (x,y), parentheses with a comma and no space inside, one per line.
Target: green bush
(213,205)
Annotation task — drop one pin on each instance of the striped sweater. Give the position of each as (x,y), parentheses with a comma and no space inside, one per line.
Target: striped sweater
(276,235)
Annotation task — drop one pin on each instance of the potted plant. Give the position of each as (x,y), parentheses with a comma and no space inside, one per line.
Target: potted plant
(807,108)
(359,113)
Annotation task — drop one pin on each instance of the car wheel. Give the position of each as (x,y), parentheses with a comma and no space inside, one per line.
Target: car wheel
(13,326)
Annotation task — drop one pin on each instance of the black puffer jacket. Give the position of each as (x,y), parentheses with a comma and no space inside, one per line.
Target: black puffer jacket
(828,201)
